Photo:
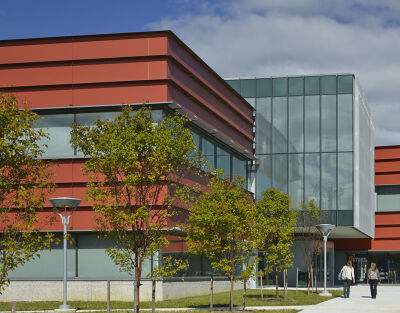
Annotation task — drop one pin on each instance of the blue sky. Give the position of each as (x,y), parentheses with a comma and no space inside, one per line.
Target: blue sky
(248,38)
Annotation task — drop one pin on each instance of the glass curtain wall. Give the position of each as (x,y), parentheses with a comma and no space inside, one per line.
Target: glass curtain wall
(304,139)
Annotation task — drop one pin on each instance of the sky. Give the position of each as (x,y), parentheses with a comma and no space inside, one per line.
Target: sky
(248,38)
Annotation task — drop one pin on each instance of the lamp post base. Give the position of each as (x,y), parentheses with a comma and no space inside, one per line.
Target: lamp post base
(325,294)
(60,310)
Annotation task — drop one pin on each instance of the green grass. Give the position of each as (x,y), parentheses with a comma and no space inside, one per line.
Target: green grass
(220,300)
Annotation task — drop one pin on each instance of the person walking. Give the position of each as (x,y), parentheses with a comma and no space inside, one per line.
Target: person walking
(373,278)
(347,274)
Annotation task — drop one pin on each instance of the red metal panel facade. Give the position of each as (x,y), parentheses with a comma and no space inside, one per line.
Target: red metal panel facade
(152,67)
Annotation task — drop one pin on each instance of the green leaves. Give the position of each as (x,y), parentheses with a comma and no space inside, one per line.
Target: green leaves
(25,182)
(221,224)
(275,228)
(134,170)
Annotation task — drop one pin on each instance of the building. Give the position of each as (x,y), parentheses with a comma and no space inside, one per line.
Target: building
(384,248)
(315,140)
(78,79)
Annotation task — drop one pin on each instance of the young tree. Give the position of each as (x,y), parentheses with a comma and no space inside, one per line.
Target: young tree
(220,226)
(276,226)
(25,181)
(309,216)
(133,165)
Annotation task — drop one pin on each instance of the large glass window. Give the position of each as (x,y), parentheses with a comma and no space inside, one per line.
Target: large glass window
(207,149)
(388,198)
(312,177)
(264,88)
(279,129)
(58,126)
(224,161)
(345,84)
(296,134)
(264,175)
(239,167)
(296,86)
(312,120)
(235,84)
(311,85)
(345,181)
(279,172)
(328,123)
(263,125)
(345,122)
(328,181)
(296,187)
(279,87)
(328,85)
(248,88)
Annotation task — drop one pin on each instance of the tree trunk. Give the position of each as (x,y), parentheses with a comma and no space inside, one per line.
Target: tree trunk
(231,293)
(308,280)
(276,283)
(153,296)
(244,294)
(138,276)
(261,283)
(212,294)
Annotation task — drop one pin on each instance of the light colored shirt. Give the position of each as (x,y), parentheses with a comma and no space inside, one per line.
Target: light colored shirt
(348,272)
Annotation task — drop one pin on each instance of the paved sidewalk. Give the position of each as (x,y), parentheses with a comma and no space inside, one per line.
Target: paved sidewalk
(387,300)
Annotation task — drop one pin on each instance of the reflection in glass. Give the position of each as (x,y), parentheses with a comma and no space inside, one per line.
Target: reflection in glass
(388,198)
(295,86)
(264,88)
(248,88)
(263,125)
(345,84)
(252,101)
(328,181)
(235,84)
(207,150)
(224,161)
(345,181)
(296,179)
(328,123)
(58,128)
(296,134)
(312,177)
(311,85)
(279,172)
(239,167)
(279,129)
(279,87)
(312,134)
(264,175)
(86,119)
(345,122)
(328,85)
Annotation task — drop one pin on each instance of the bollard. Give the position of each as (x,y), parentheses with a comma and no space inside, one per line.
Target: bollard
(13,306)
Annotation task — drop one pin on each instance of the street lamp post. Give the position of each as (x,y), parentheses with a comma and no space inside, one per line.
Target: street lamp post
(61,205)
(325,230)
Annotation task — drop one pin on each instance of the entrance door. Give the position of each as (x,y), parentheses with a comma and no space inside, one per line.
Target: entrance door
(360,264)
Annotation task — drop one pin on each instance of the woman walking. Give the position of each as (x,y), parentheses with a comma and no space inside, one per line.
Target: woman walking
(347,274)
(373,278)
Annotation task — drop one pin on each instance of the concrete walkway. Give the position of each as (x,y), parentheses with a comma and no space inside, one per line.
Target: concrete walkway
(387,300)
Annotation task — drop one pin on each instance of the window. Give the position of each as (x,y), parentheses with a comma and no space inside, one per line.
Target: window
(263,125)
(279,87)
(345,122)
(328,85)
(345,84)
(296,86)
(296,134)
(312,129)
(328,123)
(248,88)
(311,86)
(388,198)
(279,129)
(264,88)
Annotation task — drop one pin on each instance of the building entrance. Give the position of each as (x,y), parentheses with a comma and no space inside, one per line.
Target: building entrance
(388,264)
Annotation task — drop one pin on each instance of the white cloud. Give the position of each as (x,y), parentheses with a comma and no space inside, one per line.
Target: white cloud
(285,37)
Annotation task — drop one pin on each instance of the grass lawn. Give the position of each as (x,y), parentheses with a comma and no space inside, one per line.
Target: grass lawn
(220,300)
